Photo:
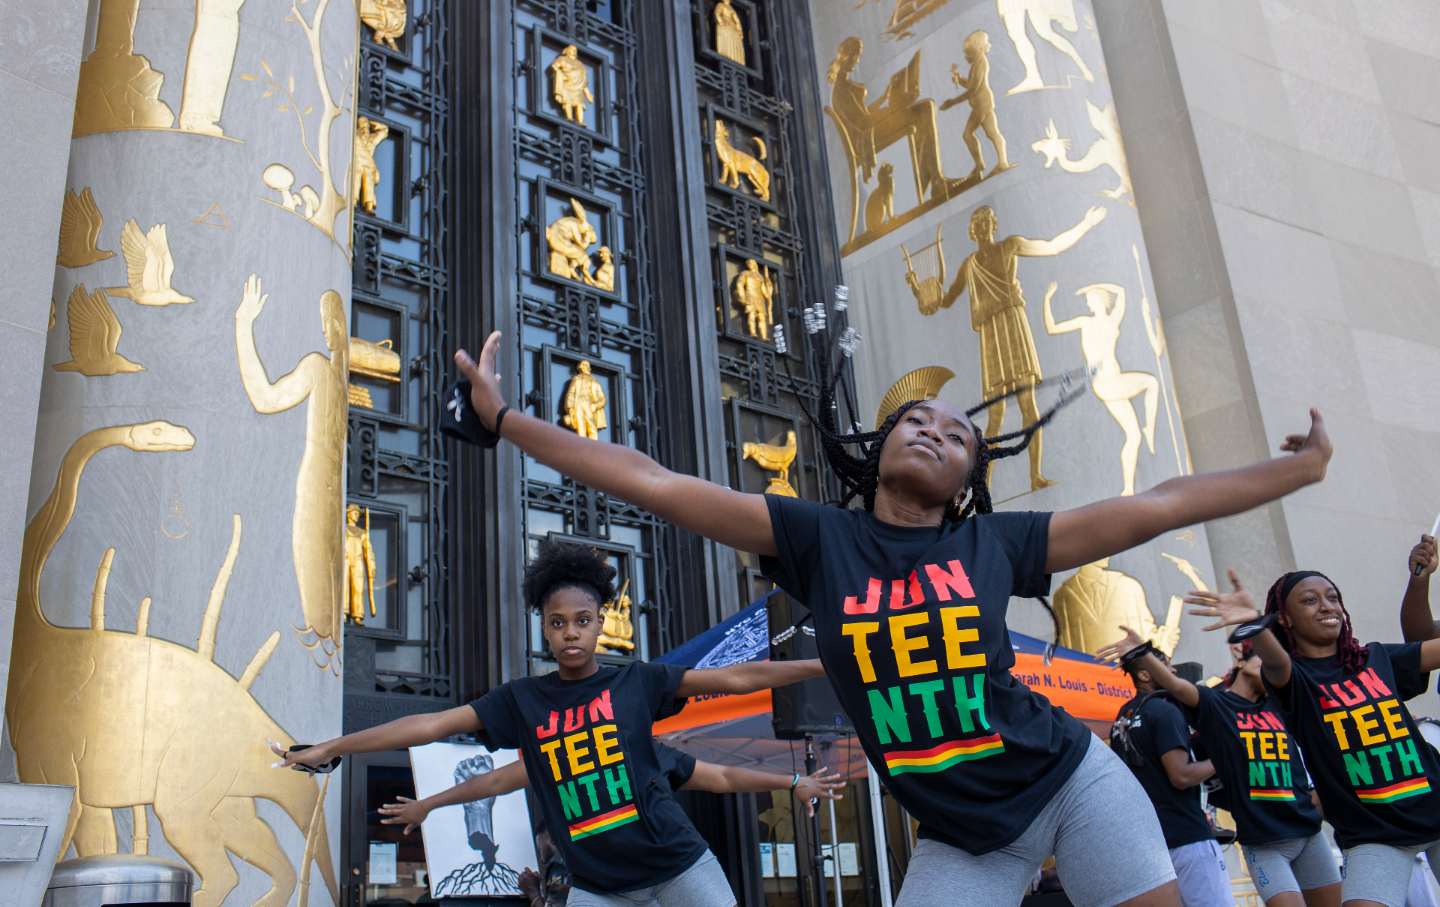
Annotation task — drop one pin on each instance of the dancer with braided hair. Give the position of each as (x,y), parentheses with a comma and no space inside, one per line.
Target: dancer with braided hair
(909,597)
(1378,781)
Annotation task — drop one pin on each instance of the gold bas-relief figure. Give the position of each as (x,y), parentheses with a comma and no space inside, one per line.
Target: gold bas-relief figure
(735,163)
(368,136)
(907,13)
(754,294)
(928,289)
(923,383)
(316,536)
(729,33)
(1097,601)
(617,632)
(1155,333)
(94,336)
(776,459)
(1106,151)
(80,223)
(386,19)
(130,720)
(1042,15)
(1100,340)
(568,241)
(605,272)
(570,84)
(373,360)
(583,409)
(976,91)
(990,275)
(148,267)
(359,565)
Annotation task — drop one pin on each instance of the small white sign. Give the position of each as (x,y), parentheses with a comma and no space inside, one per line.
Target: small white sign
(381,865)
(767,860)
(785,861)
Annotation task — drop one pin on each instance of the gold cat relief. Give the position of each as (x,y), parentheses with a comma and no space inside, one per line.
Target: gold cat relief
(80,223)
(776,458)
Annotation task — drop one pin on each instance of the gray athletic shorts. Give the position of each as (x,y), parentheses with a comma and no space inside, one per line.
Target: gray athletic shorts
(702,885)
(1204,880)
(1296,864)
(1381,872)
(1100,827)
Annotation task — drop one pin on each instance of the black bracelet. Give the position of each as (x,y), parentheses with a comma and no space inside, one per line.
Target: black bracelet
(499,418)
(1137,653)
(1253,628)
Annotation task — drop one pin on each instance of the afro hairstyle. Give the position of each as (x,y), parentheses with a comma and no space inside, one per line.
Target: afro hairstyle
(559,564)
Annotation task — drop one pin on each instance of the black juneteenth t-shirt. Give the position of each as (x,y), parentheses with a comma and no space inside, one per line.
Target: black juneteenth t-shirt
(1257,763)
(1159,728)
(1375,775)
(676,765)
(592,764)
(910,624)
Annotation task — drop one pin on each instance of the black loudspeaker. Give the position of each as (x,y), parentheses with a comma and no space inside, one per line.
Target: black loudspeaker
(800,709)
(1192,671)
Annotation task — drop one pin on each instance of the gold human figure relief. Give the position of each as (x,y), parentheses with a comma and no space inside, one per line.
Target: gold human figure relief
(923,383)
(359,565)
(208,65)
(754,294)
(729,33)
(735,163)
(975,89)
(1106,151)
(1155,333)
(373,360)
(316,535)
(118,89)
(130,720)
(1097,601)
(583,409)
(605,273)
(928,289)
(617,632)
(776,459)
(570,84)
(1117,389)
(80,223)
(569,240)
(386,18)
(1043,16)
(148,267)
(368,136)
(94,335)
(990,275)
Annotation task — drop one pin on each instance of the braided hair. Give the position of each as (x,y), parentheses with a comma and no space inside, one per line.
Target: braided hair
(1352,655)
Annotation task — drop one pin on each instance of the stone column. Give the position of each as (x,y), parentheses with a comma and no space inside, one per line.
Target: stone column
(179,600)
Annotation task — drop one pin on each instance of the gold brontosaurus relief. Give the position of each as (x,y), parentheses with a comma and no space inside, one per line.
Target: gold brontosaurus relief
(130,720)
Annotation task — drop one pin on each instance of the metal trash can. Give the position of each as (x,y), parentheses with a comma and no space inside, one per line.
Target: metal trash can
(119,879)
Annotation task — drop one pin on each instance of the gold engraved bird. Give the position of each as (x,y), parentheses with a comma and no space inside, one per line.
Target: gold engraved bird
(94,336)
(776,459)
(80,223)
(148,267)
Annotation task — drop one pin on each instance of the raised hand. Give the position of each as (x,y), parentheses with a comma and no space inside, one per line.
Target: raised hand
(1114,650)
(407,812)
(1316,443)
(824,784)
(1423,556)
(484,379)
(253,300)
(1234,607)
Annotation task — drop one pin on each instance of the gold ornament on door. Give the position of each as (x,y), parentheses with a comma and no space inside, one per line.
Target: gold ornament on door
(775,458)
(368,136)
(570,84)
(617,632)
(729,33)
(568,241)
(735,163)
(386,19)
(359,565)
(754,294)
(583,409)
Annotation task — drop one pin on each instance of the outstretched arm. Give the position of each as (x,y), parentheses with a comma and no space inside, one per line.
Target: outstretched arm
(412,730)
(748,677)
(1416,622)
(1237,607)
(1108,527)
(732,779)
(1043,247)
(291,389)
(411,813)
(739,520)
(1182,690)
(1063,327)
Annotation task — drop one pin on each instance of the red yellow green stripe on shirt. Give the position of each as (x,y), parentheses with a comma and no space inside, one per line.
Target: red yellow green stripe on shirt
(1271,794)
(1397,791)
(939,758)
(604,822)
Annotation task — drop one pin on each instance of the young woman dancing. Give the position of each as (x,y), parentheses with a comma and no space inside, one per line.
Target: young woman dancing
(1344,703)
(909,598)
(584,732)
(1262,773)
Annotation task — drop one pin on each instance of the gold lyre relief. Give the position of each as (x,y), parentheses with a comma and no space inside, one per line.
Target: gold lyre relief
(148,267)
(754,295)
(1094,603)
(975,90)
(568,241)
(1043,16)
(94,336)
(929,288)
(386,19)
(777,459)
(1116,388)
(80,223)
(316,536)
(1008,361)
(212,764)
(617,631)
(583,409)
(570,84)
(923,383)
(735,163)
(359,565)
(368,136)
(371,360)
(729,33)
(1106,151)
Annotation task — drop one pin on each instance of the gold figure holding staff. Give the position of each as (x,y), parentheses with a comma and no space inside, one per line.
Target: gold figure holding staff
(571,84)
(359,565)
(755,296)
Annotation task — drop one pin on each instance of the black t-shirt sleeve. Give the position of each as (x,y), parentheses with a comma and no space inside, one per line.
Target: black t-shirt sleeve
(796,525)
(676,765)
(1168,730)
(1025,536)
(661,681)
(1410,680)
(499,720)
(1201,713)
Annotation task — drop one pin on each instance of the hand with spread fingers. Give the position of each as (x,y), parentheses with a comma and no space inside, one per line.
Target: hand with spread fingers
(1230,608)
(825,783)
(485,393)
(1114,650)
(306,759)
(407,812)
(1423,559)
